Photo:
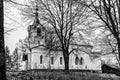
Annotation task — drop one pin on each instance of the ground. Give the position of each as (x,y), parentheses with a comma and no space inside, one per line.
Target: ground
(60,75)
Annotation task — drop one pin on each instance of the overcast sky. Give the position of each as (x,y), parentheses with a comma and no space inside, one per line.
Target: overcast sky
(12,20)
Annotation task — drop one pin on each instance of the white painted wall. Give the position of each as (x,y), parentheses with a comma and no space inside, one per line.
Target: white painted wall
(46,64)
(88,63)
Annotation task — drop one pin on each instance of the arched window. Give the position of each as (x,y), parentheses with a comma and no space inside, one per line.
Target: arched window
(76,60)
(61,60)
(81,61)
(41,58)
(38,32)
(25,57)
(52,60)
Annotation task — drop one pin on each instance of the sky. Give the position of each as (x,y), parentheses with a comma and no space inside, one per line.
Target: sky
(13,20)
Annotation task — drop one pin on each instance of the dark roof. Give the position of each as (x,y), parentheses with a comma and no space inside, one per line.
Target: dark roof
(112,65)
(90,46)
(95,52)
(36,20)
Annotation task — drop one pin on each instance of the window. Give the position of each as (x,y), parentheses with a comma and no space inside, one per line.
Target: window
(25,57)
(81,61)
(76,60)
(52,60)
(41,58)
(38,31)
(61,60)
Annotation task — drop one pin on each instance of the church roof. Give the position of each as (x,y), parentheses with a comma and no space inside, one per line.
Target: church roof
(83,45)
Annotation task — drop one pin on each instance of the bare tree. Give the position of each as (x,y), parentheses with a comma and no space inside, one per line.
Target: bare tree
(110,46)
(64,17)
(15,60)
(10,22)
(8,57)
(108,11)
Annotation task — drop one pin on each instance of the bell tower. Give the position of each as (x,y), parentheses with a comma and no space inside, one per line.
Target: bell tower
(34,34)
(35,29)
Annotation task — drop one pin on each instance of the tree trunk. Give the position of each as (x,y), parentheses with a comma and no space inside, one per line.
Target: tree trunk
(66,61)
(118,42)
(2,49)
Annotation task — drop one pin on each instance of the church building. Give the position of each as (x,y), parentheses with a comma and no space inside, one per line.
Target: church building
(36,56)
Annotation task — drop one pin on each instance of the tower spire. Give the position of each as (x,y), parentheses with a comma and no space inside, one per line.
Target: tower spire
(36,11)
(36,20)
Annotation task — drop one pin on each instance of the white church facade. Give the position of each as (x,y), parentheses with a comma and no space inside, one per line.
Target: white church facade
(40,59)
